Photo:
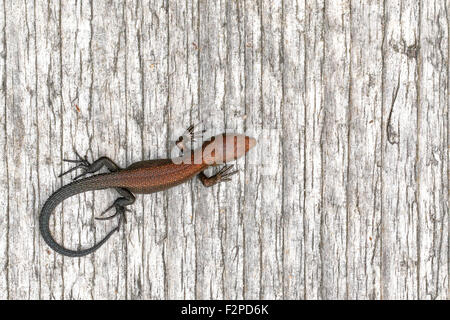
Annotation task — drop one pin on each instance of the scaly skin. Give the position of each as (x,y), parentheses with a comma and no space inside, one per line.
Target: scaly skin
(145,177)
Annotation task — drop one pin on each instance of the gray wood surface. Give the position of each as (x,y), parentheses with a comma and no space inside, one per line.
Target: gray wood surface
(349,103)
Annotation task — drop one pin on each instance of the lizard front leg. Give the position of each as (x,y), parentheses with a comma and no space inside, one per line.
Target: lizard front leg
(222,175)
(191,135)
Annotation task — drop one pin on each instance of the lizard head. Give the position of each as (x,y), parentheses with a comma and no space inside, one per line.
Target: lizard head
(226,147)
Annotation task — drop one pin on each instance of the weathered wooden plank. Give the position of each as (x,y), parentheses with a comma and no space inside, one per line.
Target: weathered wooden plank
(270,225)
(314,59)
(137,108)
(80,109)
(108,98)
(230,195)
(293,143)
(180,249)
(345,195)
(334,149)
(211,73)
(4,169)
(364,153)
(251,217)
(432,143)
(16,132)
(48,149)
(399,214)
(153,43)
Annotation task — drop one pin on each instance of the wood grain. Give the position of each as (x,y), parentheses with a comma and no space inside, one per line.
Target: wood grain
(344,197)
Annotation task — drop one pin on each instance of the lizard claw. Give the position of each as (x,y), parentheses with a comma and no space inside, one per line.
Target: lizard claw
(120,210)
(224,173)
(105,211)
(191,136)
(195,134)
(81,162)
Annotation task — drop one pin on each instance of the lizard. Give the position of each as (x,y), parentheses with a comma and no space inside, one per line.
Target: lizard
(144,177)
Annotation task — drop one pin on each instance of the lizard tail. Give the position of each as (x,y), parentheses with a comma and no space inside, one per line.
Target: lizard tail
(56,198)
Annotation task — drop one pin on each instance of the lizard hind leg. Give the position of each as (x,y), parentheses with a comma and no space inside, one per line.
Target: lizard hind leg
(87,167)
(120,206)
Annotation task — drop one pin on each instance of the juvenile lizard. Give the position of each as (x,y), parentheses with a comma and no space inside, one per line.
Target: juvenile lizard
(145,177)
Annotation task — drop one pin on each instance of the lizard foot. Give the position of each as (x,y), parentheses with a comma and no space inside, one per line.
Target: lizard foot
(223,174)
(191,136)
(81,163)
